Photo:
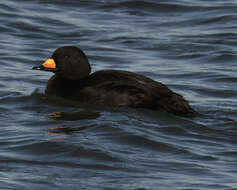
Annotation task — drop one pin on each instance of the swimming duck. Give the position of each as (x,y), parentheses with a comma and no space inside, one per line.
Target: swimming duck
(72,80)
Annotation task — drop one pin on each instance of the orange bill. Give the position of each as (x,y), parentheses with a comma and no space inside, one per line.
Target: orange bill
(49,63)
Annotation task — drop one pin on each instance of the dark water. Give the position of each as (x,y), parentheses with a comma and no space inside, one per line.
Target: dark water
(188,45)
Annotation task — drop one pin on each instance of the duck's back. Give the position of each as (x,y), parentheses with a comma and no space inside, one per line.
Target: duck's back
(118,88)
(123,88)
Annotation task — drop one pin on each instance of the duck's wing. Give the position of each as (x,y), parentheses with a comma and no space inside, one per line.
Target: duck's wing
(116,93)
(123,88)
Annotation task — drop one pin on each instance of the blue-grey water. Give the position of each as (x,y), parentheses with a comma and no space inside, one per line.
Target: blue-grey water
(189,45)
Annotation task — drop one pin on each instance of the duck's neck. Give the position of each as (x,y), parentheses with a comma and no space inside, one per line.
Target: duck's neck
(64,87)
(67,82)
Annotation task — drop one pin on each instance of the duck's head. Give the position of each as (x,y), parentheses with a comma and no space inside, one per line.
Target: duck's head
(67,62)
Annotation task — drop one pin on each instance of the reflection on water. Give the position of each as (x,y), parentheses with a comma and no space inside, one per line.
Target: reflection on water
(85,114)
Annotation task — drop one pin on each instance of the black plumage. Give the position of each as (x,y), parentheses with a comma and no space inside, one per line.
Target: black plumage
(72,80)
